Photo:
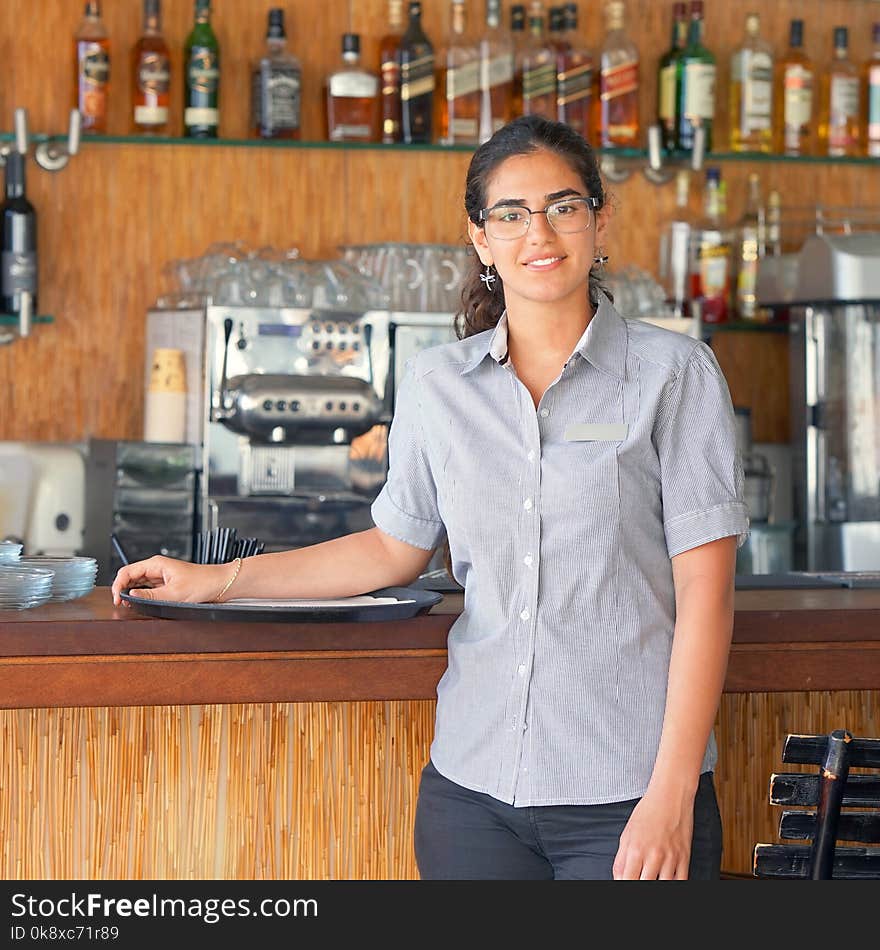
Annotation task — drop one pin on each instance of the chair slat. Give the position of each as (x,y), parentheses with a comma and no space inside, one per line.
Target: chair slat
(795,788)
(793,861)
(852,826)
(810,750)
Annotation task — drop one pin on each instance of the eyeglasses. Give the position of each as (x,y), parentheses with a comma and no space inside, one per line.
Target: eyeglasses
(566,216)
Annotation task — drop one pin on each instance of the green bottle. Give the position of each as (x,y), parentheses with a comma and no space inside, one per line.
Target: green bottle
(666,90)
(201,82)
(695,75)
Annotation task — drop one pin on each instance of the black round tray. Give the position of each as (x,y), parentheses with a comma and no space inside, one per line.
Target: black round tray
(422,602)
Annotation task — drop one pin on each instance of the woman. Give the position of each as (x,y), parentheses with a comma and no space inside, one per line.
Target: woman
(583,469)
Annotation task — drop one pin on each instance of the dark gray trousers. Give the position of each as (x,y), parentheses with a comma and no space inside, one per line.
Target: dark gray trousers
(466,835)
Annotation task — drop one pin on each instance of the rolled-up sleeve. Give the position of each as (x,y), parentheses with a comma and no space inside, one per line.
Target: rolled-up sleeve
(406,507)
(700,468)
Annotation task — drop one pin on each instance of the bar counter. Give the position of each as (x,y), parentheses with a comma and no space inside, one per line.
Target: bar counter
(134,747)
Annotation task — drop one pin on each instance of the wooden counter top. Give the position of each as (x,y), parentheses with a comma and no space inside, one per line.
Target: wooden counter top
(89,653)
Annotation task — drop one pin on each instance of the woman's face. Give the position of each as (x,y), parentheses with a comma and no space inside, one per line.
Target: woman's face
(542,266)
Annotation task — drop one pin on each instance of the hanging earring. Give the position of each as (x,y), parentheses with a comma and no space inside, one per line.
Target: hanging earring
(488,278)
(600,259)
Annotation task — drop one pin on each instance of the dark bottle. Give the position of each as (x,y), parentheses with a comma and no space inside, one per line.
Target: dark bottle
(695,85)
(276,85)
(151,74)
(416,80)
(666,77)
(389,60)
(201,77)
(19,256)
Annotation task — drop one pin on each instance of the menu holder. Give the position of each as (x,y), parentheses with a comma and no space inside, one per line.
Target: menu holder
(387,603)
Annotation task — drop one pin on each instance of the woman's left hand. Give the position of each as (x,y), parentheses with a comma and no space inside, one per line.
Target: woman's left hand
(656,842)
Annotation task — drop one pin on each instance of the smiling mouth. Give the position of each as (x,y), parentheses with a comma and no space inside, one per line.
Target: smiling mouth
(543,261)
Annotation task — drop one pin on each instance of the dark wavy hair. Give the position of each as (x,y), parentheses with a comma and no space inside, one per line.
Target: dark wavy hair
(481,309)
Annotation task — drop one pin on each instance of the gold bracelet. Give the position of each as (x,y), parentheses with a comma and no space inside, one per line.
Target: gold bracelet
(230,582)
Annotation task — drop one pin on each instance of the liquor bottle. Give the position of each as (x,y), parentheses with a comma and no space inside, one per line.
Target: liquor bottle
(710,255)
(352,97)
(538,67)
(518,37)
(276,85)
(555,28)
(871,74)
(695,85)
(151,74)
(416,80)
(750,237)
(751,92)
(496,73)
(389,66)
(675,247)
(666,78)
(618,100)
(19,255)
(794,96)
(774,224)
(201,77)
(92,46)
(839,121)
(458,86)
(574,76)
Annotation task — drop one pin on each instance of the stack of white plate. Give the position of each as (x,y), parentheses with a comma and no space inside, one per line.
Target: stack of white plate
(9,551)
(23,586)
(74,576)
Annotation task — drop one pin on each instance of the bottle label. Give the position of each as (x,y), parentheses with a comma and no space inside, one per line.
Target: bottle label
(496,71)
(19,272)
(390,72)
(666,108)
(757,91)
(417,77)
(874,110)
(353,86)
(203,72)
(462,80)
(150,115)
(619,80)
(95,64)
(844,98)
(196,115)
(464,130)
(539,81)
(699,96)
(345,132)
(797,98)
(574,83)
(153,74)
(714,267)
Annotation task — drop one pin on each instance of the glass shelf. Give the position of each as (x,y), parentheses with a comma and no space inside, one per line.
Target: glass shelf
(11,320)
(624,154)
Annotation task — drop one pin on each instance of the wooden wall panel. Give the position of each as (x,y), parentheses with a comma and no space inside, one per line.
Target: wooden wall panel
(119,212)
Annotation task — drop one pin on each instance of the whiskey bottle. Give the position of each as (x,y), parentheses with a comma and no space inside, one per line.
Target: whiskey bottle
(201,77)
(538,67)
(389,67)
(751,92)
(794,96)
(458,93)
(618,107)
(574,76)
(871,76)
(710,255)
(352,97)
(496,73)
(839,121)
(92,49)
(695,85)
(151,74)
(276,85)
(555,27)
(667,118)
(518,37)
(18,267)
(417,82)
(750,238)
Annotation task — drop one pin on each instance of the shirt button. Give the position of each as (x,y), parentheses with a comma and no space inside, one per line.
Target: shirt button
(545,413)
(527,560)
(521,669)
(531,455)
(525,614)
(527,504)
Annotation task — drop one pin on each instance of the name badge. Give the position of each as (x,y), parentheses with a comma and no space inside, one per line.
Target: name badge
(596,432)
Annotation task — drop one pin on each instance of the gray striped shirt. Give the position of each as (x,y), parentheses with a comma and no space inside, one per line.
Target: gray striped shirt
(561,522)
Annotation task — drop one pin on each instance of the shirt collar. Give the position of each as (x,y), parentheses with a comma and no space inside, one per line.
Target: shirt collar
(603,343)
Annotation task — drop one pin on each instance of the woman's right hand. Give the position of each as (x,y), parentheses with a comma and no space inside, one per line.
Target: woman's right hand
(164,578)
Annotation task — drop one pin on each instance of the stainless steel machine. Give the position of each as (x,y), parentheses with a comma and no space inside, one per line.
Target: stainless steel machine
(831,289)
(291,409)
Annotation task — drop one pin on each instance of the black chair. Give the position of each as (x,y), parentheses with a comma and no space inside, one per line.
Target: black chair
(829,791)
